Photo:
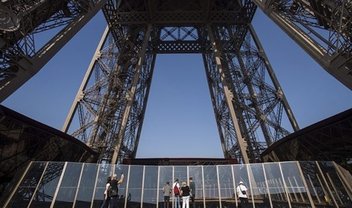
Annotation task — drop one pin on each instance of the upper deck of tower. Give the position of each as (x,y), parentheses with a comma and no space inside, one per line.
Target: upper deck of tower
(180,12)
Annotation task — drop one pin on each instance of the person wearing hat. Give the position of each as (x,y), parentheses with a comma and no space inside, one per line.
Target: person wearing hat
(185,195)
(242,194)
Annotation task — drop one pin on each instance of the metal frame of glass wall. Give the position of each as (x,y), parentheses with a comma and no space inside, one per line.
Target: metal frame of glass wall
(283,184)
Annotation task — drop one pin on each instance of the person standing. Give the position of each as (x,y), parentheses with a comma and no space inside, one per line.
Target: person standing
(114,190)
(106,194)
(167,192)
(176,190)
(192,187)
(242,194)
(185,191)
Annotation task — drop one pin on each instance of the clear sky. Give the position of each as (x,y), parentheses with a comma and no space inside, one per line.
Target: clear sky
(179,119)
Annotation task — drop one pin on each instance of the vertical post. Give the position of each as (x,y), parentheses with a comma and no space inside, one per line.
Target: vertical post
(78,185)
(267,186)
(285,187)
(204,205)
(218,180)
(17,185)
(306,186)
(157,188)
(249,174)
(58,186)
(127,182)
(326,183)
(142,191)
(36,188)
(234,184)
(95,186)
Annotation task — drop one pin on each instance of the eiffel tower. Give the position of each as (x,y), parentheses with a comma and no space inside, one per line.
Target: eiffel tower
(109,108)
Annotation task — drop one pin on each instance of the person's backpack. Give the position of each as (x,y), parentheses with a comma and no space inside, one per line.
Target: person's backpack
(176,190)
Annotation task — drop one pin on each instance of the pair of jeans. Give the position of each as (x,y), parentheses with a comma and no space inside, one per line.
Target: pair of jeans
(177,202)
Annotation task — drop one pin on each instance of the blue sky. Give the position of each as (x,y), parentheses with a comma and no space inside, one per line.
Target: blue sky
(179,119)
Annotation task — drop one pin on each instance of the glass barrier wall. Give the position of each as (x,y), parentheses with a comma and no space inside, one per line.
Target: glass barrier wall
(284,184)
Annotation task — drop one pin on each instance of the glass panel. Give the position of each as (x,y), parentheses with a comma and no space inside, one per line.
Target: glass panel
(335,184)
(86,187)
(104,172)
(48,184)
(150,186)
(258,185)
(211,189)
(27,187)
(276,186)
(240,173)
(227,189)
(295,186)
(135,185)
(165,175)
(317,188)
(196,173)
(68,187)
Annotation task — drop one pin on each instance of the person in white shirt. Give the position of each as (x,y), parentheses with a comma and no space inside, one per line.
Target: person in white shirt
(242,194)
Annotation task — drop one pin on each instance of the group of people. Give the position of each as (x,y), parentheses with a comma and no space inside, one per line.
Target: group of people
(187,192)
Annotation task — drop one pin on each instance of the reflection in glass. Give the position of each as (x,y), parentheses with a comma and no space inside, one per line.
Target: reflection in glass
(295,186)
(197,174)
(68,186)
(135,185)
(86,186)
(27,186)
(258,185)
(211,189)
(227,186)
(46,190)
(150,186)
(274,185)
(337,188)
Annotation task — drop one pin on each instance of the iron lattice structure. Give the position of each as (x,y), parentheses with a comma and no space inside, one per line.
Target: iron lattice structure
(248,101)
(107,113)
(322,28)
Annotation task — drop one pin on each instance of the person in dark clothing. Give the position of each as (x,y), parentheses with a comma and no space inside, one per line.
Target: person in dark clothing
(185,191)
(192,187)
(114,183)
(106,194)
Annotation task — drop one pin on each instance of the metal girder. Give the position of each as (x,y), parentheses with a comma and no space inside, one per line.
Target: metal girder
(19,58)
(322,28)
(111,101)
(248,102)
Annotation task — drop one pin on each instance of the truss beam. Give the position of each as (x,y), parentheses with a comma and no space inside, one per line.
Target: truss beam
(321,28)
(19,58)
